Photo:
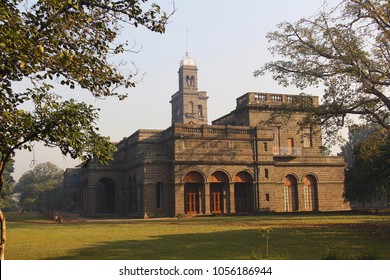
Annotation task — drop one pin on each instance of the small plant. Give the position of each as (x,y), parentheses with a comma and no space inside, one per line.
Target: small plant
(265,232)
(179,216)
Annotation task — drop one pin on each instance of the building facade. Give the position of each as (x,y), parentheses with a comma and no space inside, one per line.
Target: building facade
(234,165)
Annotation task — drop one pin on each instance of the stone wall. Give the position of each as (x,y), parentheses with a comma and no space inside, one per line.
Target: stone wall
(153,171)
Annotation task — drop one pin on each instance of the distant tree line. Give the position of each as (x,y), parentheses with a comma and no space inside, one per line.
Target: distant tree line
(40,189)
(367,154)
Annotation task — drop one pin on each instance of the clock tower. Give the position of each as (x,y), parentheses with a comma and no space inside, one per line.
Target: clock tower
(189,106)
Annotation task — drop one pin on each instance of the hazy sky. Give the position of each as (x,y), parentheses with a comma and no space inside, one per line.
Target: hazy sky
(227,40)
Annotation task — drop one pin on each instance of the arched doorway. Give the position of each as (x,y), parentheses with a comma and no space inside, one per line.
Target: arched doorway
(219,182)
(106,196)
(132,194)
(193,183)
(290,193)
(243,192)
(310,193)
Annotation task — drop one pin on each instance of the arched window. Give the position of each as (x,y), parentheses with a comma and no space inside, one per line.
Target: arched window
(290,193)
(191,107)
(200,111)
(188,81)
(307,138)
(276,134)
(310,193)
(192,81)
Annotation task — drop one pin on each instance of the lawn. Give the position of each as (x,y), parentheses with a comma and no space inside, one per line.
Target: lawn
(295,236)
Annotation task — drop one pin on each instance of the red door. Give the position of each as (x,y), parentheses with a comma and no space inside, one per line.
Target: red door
(216,202)
(216,198)
(191,203)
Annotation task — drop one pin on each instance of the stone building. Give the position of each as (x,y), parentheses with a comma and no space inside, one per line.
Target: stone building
(232,166)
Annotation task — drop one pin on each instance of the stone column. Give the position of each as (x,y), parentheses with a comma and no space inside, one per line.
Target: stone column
(84,202)
(232,198)
(148,200)
(254,197)
(120,200)
(207,199)
(91,200)
(301,197)
(140,200)
(225,201)
(179,198)
(201,199)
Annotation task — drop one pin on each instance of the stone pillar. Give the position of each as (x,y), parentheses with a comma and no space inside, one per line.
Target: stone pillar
(301,197)
(202,200)
(91,200)
(179,198)
(232,199)
(148,200)
(254,197)
(207,199)
(84,202)
(225,192)
(122,201)
(140,202)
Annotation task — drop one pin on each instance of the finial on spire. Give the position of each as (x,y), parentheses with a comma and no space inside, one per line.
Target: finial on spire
(187,43)
(187,60)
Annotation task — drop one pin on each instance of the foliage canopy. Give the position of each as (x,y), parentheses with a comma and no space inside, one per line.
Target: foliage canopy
(7,199)
(367,176)
(347,51)
(69,43)
(40,188)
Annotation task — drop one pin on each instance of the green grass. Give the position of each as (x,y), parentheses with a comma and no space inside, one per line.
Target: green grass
(299,236)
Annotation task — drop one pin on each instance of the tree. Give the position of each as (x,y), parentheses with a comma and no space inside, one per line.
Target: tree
(68,42)
(347,51)
(357,135)
(7,199)
(367,176)
(39,189)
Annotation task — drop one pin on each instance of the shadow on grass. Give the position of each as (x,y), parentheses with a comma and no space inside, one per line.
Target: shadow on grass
(291,243)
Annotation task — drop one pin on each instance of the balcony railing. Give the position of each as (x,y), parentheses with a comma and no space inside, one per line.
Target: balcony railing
(272,99)
(287,151)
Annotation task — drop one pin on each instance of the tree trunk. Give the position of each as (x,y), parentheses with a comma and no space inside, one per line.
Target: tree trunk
(2,244)
(2,218)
